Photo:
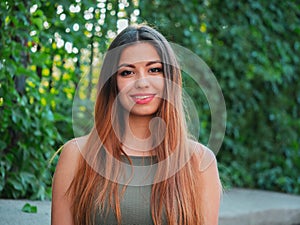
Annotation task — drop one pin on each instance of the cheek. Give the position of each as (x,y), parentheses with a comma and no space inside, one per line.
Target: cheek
(159,84)
(123,84)
(119,84)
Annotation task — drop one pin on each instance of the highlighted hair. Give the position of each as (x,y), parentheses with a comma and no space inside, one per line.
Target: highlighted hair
(175,198)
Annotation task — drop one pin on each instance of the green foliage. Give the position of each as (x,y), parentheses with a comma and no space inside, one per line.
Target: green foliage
(252,47)
(258,47)
(36,102)
(28,208)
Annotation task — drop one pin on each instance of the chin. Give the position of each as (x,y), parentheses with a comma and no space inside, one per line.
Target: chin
(143,113)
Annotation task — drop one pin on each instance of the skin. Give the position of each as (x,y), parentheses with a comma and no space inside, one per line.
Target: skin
(63,176)
(140,73)
(139,77)
(65,171)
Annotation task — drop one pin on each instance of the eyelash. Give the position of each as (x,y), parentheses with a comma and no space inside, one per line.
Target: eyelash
(154,70)
(157,70)
(125,73)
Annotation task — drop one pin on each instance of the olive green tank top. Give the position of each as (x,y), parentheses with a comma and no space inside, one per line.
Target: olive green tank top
(135,204)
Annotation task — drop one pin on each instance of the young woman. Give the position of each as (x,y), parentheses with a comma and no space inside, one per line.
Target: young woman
(137,165)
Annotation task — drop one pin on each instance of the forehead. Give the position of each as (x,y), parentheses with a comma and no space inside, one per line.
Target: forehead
(139,52)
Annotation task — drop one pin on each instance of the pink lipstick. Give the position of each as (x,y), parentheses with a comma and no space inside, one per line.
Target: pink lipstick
(142,98)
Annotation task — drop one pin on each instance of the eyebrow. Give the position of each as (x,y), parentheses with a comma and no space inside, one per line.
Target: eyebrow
(132,66)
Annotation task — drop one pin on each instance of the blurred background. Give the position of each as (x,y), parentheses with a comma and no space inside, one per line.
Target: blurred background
(252,47)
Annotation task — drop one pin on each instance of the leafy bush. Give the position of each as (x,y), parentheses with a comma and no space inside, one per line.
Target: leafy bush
(252,47)
(35,102)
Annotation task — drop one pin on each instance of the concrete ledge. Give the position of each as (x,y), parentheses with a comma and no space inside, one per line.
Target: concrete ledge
(11,212)
(255,207)
(238,207)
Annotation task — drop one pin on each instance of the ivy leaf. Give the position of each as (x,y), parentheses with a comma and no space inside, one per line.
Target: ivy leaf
(27,208)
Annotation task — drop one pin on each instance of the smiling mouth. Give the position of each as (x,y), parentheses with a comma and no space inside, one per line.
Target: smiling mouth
(142,99)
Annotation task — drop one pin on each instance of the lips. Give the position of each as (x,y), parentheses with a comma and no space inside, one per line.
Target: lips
(142,98)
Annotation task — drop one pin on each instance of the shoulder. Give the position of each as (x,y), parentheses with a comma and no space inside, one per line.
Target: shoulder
(202,155)
(211,187)
(64,173)
(75,144)
(69,157)
(67,165)
(73,148)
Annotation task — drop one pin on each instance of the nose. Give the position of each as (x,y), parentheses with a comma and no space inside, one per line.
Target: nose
(142,81)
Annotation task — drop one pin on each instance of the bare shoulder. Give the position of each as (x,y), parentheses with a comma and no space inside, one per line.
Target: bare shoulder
(70,154)
(202,154)
(71,150)
(75,144)
(64,173)
(211,187)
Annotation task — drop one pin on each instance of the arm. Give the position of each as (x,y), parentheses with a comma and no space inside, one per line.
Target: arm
(211,187)
(64,173)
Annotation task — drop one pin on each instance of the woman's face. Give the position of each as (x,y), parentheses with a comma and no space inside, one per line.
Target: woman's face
(140,79)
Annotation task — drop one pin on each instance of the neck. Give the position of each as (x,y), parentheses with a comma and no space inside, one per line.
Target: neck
(137,137)
(139,126)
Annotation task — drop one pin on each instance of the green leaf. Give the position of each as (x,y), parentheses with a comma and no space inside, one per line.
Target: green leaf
(15,183)
(27,208)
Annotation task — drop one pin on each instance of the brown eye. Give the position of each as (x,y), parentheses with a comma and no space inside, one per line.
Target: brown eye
(155,70)
(125,73)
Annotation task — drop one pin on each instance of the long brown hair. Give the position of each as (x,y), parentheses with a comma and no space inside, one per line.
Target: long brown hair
(174,196)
